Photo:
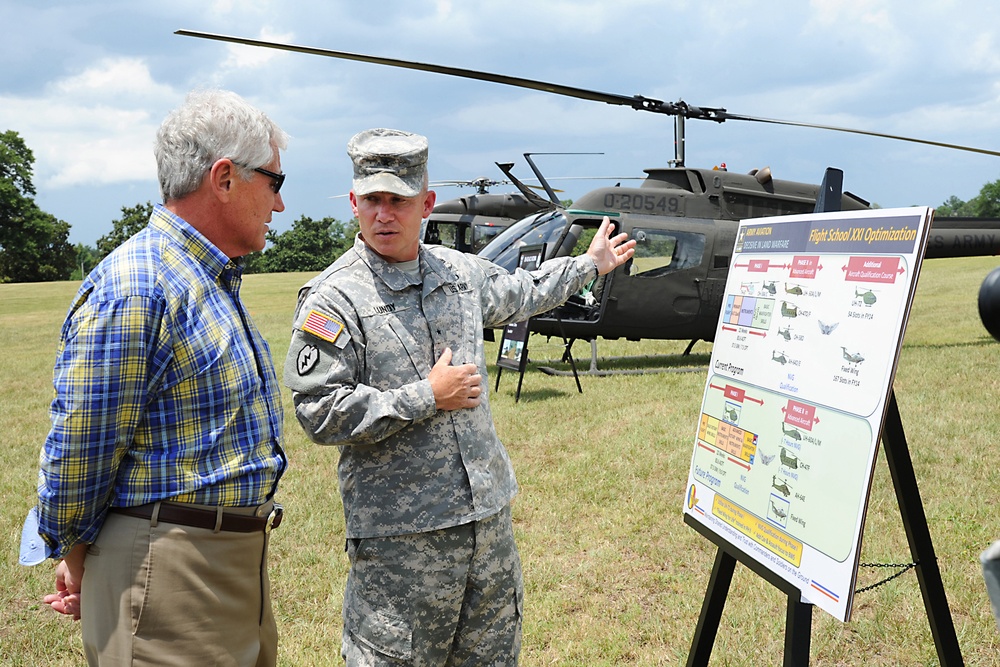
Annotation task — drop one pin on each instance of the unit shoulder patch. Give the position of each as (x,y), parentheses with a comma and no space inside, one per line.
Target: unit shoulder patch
(306,359)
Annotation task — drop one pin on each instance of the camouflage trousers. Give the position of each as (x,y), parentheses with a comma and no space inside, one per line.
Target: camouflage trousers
(448,597)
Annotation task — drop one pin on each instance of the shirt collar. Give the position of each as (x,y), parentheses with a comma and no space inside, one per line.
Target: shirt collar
(196,245)
(433,271)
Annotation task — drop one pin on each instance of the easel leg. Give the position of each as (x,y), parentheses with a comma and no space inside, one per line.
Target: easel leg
(798,632)
(572,365)
(904,480)
(711,610)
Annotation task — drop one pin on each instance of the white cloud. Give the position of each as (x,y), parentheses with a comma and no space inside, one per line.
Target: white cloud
(111,77)
(94,127)
(126,156)
(81,145)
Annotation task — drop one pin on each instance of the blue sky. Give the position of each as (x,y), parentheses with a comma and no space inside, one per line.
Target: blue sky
(87,83)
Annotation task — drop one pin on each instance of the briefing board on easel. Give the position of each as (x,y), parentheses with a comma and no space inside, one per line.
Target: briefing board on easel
(513,342)
(796,394)
(513,351)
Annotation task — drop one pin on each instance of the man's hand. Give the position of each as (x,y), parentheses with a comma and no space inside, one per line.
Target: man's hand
(455,387)
(610,253)
(69,577)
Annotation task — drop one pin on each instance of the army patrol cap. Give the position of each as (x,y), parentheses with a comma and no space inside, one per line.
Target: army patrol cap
(388,161)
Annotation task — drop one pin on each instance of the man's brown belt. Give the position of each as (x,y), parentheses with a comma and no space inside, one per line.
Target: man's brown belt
(199,518)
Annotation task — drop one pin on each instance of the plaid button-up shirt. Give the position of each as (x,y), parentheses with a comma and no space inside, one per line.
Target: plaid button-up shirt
(164,388)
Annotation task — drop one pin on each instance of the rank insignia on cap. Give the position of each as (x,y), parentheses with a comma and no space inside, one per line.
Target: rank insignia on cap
(322,326)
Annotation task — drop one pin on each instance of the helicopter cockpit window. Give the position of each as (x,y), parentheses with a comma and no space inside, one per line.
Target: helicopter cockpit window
(659,251)
(742,205)
(505,249)
(443,233)
(482,235)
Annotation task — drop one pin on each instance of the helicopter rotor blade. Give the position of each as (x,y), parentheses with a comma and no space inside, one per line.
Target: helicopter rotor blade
(469,184)
(869,133)
(637,102)
(488,184)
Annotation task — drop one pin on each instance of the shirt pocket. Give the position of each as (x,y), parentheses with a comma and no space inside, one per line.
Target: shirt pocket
(394,356)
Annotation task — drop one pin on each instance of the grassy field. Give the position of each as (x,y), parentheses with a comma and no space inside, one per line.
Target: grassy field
(613,575)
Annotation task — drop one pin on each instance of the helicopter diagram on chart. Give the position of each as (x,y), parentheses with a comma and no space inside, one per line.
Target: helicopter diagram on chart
(802,365)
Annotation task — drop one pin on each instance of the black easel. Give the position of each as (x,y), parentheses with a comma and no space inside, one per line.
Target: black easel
(513,353)
(798,616)
(518,334)
(515,335)
(897,454)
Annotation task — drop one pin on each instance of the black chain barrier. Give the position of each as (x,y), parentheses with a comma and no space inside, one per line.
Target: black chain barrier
(905,566)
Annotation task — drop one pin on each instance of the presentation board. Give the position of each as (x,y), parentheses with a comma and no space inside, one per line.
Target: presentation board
(802,365)
(514,340)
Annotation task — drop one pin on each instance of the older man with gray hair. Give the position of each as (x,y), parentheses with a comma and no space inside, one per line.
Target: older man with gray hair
(387,362)
(157,482)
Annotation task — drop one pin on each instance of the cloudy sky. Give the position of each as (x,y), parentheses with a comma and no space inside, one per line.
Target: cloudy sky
(86,83)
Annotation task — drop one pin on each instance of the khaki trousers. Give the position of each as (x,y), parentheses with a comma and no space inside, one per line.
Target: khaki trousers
(168,594)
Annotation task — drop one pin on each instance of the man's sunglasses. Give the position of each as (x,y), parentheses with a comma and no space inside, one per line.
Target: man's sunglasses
(279,179)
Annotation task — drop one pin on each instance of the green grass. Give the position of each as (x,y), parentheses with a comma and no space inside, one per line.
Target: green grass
(613,575)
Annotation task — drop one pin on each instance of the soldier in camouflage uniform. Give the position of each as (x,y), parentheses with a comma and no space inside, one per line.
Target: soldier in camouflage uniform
(387,361)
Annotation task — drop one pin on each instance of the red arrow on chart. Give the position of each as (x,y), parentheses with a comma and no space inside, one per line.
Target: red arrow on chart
(738,462)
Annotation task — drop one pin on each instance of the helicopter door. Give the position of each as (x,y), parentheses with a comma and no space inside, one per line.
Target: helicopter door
(662,276)
(662,251)
(587,304)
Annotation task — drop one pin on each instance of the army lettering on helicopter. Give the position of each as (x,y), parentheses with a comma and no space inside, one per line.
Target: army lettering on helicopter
(687,220)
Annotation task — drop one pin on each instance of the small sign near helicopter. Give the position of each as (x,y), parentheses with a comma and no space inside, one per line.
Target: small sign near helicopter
(789,427)
(513,343)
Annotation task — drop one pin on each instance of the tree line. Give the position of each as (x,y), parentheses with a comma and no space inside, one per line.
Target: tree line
(34,245)
(310,245)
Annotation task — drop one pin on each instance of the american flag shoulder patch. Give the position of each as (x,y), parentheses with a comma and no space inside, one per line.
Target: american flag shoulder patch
(322,326)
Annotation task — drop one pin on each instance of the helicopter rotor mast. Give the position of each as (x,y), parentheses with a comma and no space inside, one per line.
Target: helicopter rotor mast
(680,109)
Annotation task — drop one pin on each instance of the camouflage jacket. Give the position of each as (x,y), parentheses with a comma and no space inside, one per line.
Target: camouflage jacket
(364,339)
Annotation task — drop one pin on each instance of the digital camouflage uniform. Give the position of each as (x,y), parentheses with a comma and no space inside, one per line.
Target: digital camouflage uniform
(364,340)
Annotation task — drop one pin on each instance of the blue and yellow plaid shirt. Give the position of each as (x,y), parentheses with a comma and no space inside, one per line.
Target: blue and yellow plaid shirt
(164,389)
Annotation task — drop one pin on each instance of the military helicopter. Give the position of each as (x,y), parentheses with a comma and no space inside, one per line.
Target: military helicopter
(470,222)
(685,221)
